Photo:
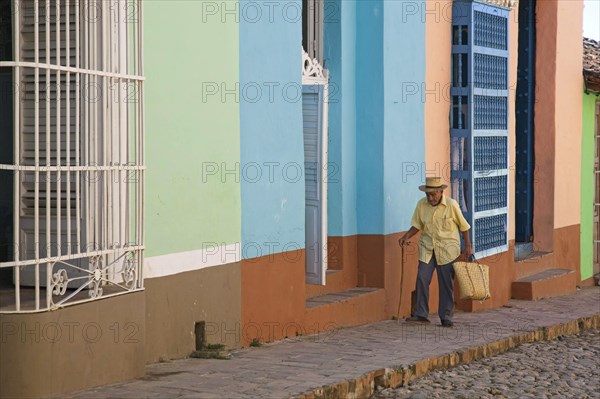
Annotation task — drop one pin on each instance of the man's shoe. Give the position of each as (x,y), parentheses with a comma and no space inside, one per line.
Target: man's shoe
(447,323)
(417,319)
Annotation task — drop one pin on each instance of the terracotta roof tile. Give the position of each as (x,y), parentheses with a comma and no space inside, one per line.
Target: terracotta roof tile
(591,55)
(591,63)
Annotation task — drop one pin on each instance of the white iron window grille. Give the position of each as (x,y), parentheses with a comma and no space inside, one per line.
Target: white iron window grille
(78,152)
(315,132)
(312,70)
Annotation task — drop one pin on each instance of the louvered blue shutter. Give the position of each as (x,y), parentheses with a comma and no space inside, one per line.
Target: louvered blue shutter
(312,118)
(479,121)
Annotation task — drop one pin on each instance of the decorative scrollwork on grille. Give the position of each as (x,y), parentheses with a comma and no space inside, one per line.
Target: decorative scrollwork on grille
(95,283)
(311,67)
(129,271)
(59,283)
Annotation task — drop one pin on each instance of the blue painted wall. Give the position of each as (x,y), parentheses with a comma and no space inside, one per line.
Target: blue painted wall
(404,114)
(271,139)
(374,51)
(369,116)
(376,58)
(340,60)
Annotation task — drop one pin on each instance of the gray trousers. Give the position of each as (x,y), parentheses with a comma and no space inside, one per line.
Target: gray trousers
(445,275)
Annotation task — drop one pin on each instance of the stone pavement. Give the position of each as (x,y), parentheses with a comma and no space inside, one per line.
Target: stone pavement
(351,362)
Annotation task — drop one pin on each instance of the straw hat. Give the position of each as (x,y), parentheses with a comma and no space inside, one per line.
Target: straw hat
(433,184)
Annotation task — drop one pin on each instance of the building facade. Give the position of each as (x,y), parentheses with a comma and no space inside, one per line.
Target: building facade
(244,170)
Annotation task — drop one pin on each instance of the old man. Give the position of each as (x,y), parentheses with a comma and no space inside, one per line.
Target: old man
(439,219)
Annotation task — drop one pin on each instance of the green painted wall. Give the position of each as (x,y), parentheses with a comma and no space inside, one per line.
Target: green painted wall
(189,204)
(587,186)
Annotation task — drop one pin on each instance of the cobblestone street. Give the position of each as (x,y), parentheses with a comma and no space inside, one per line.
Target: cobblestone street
(568,367)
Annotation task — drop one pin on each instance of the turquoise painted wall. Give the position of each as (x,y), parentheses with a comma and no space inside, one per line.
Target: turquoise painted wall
(190,140)
(404,111)
(340,60)
(370,86)
(587,186)
(272,149)
(390,120)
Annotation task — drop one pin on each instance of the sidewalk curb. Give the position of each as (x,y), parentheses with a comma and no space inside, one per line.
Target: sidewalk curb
(364,386)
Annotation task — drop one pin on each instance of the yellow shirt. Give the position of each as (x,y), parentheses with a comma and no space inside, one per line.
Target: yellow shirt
(439,227)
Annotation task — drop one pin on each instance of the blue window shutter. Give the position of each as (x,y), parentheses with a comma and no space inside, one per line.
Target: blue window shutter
(479,121)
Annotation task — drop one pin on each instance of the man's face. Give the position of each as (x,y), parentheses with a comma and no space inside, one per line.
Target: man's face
(434,197)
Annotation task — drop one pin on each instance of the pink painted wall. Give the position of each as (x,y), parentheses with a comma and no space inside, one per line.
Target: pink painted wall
(437,77)
(557,119)
(569,60)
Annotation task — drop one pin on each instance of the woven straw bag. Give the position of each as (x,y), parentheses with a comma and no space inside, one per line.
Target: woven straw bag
(473,280)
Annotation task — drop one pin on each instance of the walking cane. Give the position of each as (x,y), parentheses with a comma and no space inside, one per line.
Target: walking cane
(401,284)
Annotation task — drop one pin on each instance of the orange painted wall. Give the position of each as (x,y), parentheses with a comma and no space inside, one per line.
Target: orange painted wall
(273,295)
(342,267)
(274,301)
